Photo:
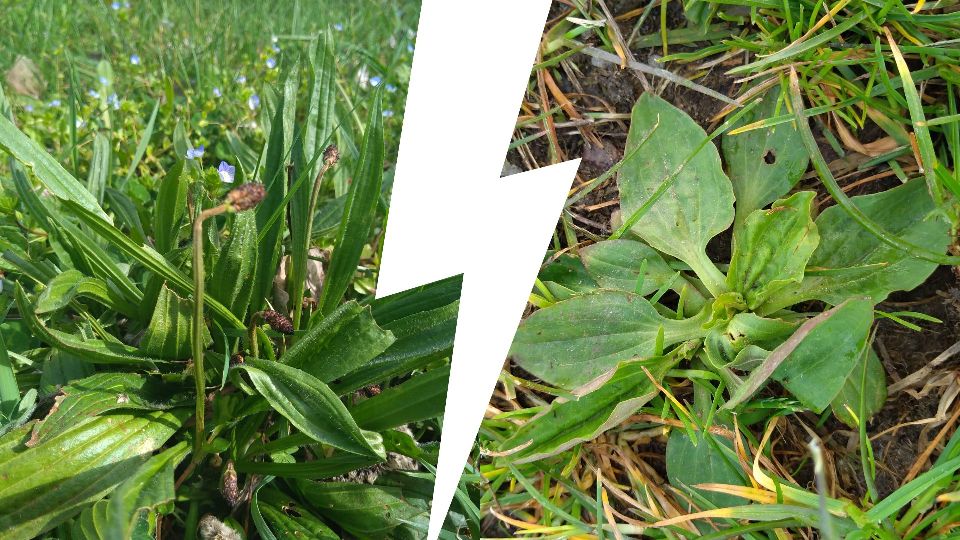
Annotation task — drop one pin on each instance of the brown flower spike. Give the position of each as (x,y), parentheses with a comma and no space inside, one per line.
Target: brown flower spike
(277,321)
(246,196)
(331,155)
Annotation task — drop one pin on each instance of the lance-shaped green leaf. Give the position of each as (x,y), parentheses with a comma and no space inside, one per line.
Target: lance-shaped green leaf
(572,342)
(417,300)
(91,350)
(709,460)
(600,405)
(47,484)
(698,202)
(168,335)
(311,406)
(421,338)
(171,205)
(358,215)
(763,163)
(150,486)
(342,342)
(231,280)
(814,363)
(99,173)
(126,211)
(325,467)
(365,511)
(297,524)
(50,173)
(418,398)
(772,248)
(852,261)
(867,381)
(274,177)
(154,262)
(64,287)
(318,131)
(97,394)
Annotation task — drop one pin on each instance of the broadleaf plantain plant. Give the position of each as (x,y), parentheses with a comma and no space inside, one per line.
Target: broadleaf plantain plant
(605,335)
(281,395)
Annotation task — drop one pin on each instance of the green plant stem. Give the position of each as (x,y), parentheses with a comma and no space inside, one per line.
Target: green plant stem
(198,326)
(314,196)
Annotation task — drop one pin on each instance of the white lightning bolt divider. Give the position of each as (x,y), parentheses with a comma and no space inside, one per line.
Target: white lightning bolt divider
(450,213)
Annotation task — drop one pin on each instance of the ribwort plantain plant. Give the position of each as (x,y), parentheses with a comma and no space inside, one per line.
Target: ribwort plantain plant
(146,334)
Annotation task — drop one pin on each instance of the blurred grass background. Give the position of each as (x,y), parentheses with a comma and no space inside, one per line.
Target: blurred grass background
(103,66)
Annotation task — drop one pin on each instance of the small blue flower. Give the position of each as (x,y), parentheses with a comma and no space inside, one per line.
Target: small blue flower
(240,79)
(409,47)
(135,59)
(94,94)
(194,153)
(375,80)
(113,101)
(126,5)
(216,92)
(226,172)
(253,102)
(54,103)
(115,5)
(338,27)
(275,47)
(103,80)
(390,88)
(271,63)
(387,113)
(28,107)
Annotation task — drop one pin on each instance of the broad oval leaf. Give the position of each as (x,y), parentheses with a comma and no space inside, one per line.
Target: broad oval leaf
(814,362)
(575,341)
(49,483)
(698,203)
(851,261)
(818,368)
(866,381)
(772,248)
(711,460)
(311,406)
(763,163)
(616,264)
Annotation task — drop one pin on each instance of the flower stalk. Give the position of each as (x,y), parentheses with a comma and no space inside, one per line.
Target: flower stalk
(239,199)
(330,157)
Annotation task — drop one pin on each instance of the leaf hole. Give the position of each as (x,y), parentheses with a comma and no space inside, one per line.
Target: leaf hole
(770,157)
